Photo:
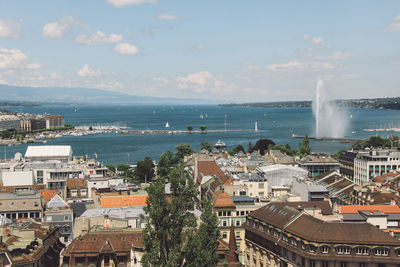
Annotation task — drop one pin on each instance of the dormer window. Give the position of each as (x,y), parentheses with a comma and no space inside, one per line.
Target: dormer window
(293,242)
(343,250)
(312,248)
(384,252)
(325,249)
(362,251)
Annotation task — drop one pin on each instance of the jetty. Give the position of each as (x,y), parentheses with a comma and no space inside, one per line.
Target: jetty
(342,140)
(148,131)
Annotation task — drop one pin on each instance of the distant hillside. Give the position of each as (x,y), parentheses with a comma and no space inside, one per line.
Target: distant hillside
(374,103)
(15,94)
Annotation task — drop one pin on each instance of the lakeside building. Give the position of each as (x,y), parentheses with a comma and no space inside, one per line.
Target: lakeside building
(318,163)
(9,122)
(50,165)
(54,121)
(375,162)
(279,235)
(30,243)
(105,247)
(30,123)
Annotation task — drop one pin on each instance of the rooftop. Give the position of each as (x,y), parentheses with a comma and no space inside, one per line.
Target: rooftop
(123,201)
(48,151)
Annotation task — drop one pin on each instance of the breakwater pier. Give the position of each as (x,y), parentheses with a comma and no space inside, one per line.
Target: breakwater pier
(181,131)
(342,140)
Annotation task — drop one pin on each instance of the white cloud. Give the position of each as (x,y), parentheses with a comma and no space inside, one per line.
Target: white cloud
(204,81)
(336,56)
(121,3)
(161,81)
(395,25)
(284,66)
(9,28)
(110,85)
(12,58)
(316,40)
(33,66)
(99,37)
(126,49)
(56,30)
(86,71)
(165,16)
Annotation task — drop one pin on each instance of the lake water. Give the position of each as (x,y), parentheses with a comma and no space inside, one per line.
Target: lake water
(277,124)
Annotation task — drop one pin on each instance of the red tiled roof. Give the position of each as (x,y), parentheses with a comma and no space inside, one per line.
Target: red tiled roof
(112,241)
(210,167)
(48,194)
(76,183)
(381,208)
(222,200)
(123,201)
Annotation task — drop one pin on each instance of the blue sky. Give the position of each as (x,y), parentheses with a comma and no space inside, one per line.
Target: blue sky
(236,51)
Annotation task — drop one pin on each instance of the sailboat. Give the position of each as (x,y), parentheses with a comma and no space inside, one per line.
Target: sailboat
(167,125)
(201,116)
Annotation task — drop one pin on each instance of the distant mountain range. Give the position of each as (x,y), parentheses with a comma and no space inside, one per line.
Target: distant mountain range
(374,103)
(49,95)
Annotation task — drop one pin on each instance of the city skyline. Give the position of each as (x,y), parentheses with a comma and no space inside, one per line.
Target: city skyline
(229,50)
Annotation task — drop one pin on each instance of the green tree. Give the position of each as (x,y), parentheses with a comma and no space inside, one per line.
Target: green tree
(144,170)
(125,168)
(165,163)
(304,147)
(190,128)
(206,145)
(202,244)
(168,222)
(111,167)
(249,147)
(183,150)
(236,150)
(203,128)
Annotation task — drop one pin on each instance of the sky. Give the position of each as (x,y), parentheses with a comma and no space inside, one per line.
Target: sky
(228,50)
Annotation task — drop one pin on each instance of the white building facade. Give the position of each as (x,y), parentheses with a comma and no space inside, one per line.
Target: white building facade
(375,163)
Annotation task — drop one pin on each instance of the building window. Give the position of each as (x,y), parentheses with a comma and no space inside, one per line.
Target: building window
(293,242)
(325,264)
(343,264)
(312,248)
(237,222)
(384,252)
(224,223)
(242,213)
(224,235)
(343,250)
(285,238)
(362,251)
(220,213)
(325,249)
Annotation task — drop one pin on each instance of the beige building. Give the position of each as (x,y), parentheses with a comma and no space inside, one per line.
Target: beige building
(54,121)
(21,204)
(105,247)
(279,235)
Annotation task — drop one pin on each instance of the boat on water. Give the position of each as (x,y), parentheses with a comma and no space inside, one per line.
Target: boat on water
(167,125)
(219,144)
(201,116)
